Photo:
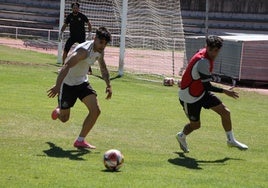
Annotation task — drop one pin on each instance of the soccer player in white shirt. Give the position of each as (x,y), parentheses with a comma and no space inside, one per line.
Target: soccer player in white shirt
(72,83)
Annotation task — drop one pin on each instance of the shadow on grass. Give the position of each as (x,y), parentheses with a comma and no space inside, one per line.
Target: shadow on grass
(97,76)
(112,78)
(111,171)
(193,163)
(58,152)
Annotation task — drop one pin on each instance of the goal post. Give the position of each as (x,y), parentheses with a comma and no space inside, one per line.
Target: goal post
(123,38)
(147,36)
(61,21)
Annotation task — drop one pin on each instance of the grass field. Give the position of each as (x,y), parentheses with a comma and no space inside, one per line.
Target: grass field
(141,120)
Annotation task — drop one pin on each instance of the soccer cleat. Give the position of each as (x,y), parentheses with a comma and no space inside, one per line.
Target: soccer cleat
(237,144)
(182,142)
(83,144)
(55,113)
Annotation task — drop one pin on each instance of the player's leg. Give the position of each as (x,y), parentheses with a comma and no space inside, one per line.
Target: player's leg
(225,114)
(93,113)
(215,104)
(68,45)
(192,111)
(66,100)
(62,114)
(190,127)
(89,98)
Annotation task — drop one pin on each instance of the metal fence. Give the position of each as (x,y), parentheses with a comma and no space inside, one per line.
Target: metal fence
(31,33)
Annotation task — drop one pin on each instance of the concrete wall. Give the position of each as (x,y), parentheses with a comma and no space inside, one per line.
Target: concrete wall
(232,6)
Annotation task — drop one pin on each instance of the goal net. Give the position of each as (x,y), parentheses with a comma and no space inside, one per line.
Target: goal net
(154,40)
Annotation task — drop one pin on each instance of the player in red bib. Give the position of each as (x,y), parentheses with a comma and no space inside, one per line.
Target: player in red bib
(195,93)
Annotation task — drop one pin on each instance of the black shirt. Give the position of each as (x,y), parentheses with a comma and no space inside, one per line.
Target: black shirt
(76,24)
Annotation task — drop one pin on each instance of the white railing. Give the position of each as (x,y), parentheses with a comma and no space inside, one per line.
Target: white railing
(52,34)
(20,32)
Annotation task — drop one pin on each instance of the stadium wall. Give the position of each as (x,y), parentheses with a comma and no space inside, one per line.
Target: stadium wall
(237,6)
(225,17)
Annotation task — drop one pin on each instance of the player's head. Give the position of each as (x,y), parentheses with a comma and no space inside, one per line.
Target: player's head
(214,44)
(75,7)
(102,38)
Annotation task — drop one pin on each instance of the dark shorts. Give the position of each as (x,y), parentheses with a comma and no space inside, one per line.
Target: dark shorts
(71,41)
(193,110)
(69,94)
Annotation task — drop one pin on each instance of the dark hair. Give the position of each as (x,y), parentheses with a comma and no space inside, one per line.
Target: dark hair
(214,41)
(76,3)
(103,33)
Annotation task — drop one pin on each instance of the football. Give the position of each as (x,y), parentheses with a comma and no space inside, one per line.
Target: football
(113,159)
(168,82)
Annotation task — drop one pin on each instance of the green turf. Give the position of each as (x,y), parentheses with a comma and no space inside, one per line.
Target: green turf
(141,120)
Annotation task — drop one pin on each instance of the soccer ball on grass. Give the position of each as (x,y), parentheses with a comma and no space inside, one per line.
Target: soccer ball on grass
(168,81)
(113,159)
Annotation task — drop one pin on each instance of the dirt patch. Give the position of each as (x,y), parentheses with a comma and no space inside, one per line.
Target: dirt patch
(23,63)
(18,43)
(257,90)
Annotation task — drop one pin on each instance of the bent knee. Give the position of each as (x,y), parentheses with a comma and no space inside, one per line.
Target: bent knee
(95,111)
(225,112)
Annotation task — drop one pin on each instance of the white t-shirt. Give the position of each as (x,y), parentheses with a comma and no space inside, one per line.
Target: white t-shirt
(78,74)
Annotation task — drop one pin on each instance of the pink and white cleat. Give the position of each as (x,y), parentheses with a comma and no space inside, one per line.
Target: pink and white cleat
(55,113)
(83,144)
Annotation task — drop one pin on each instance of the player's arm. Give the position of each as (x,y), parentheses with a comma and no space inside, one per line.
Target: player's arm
(65,24)
(63,27)
(206,77)
(62,30)
(89,36)
(72,60)
(86,20)
(105,75)
(89,26)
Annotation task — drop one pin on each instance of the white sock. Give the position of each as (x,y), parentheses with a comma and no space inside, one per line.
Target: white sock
(182,135)
(230,136)
(80,139)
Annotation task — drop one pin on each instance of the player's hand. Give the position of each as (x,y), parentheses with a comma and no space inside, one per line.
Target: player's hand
(61,36)
(109,92)
(52,92)
(231,93)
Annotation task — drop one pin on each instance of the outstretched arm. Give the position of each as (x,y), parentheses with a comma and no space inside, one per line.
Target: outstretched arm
(229,92)
(205,76)
(105,76)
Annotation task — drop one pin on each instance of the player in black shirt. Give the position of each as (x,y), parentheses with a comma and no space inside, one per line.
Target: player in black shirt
(76,21)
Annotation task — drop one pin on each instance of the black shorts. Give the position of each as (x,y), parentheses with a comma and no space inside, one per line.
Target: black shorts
(193,110)
(71,41)
(69,94)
